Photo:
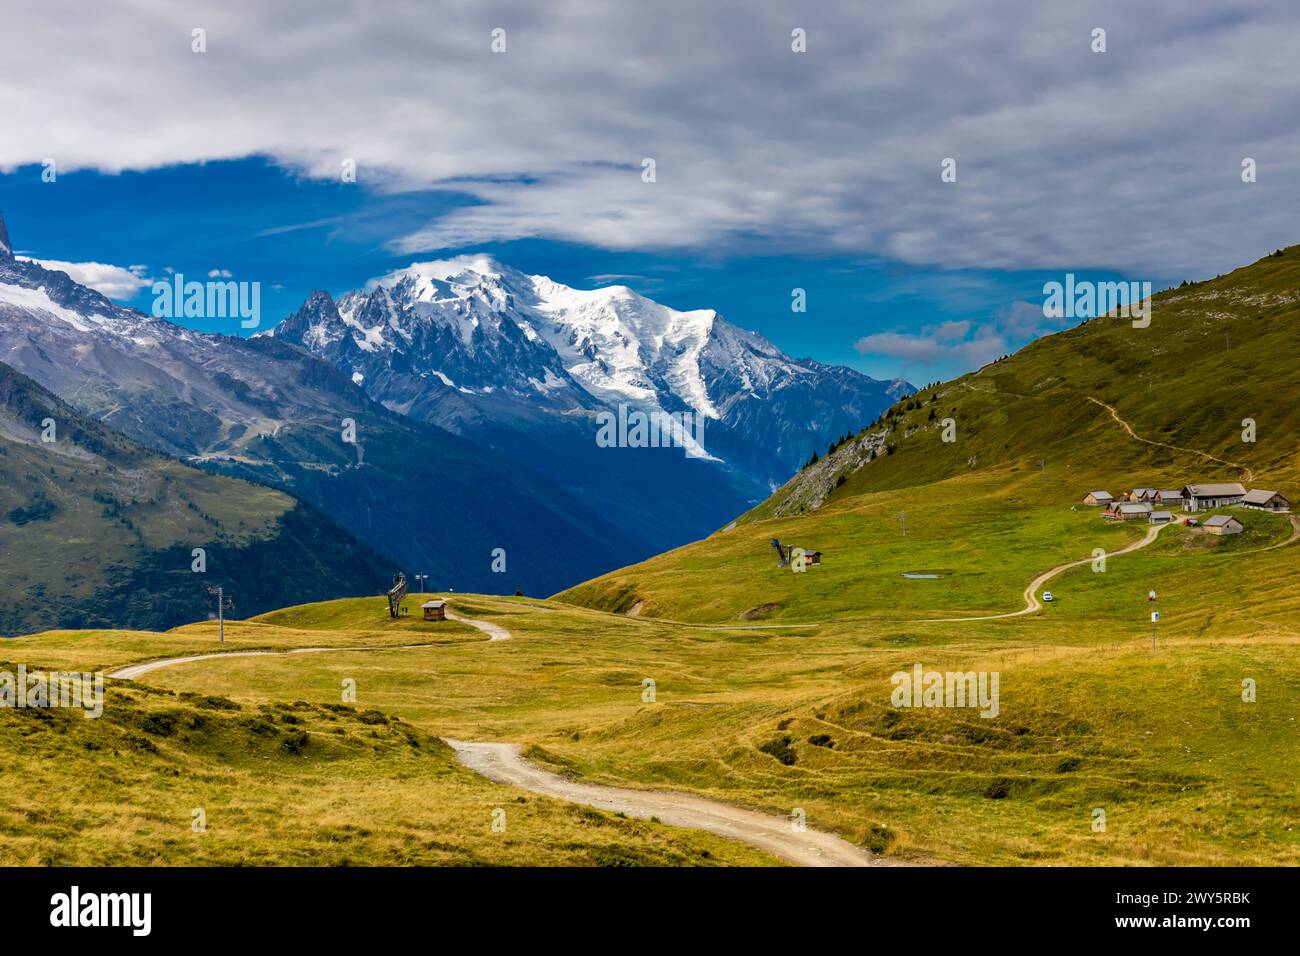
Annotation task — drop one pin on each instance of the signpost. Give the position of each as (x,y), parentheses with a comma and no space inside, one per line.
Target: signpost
(1155,615)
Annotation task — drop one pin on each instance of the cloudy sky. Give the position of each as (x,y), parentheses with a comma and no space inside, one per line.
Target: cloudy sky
(774,169)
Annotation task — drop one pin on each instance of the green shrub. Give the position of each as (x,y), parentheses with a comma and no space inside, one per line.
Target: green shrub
(780,748)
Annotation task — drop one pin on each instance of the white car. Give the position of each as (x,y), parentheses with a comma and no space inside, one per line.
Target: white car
(1047,595)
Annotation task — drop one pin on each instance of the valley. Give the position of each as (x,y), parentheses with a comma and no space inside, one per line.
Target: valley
(718,672)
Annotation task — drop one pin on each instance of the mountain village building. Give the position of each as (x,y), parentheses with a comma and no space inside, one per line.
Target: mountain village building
(1154,504)
(1209,496)
(1262,500)
(1128,511)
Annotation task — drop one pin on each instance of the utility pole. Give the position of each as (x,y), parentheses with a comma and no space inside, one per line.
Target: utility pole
(220,592)
(902,516)
(420,579)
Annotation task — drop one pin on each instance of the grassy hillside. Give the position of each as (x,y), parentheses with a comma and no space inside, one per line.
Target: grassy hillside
(97,531)
(1091,714)
(1034,432)
(1185,769)
(294,778)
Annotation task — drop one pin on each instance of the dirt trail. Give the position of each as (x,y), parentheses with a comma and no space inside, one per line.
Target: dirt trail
(502,763)
(1032,603)
(132,671)
(495,632)
(1247,475)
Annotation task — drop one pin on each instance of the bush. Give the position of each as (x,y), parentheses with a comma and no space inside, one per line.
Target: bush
(879,837)
(780,748)
(160,724)
(822,740)
(295,742)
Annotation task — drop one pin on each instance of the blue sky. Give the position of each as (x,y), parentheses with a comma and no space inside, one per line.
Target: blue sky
(294,234)
(779,164)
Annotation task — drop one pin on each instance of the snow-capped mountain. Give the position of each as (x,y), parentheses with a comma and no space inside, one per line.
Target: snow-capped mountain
(272,412)
(469,341)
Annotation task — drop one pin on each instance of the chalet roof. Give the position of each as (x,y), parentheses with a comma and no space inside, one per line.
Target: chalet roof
(1261,497)
(1223,489)
(1133,507)
(1100,494)
(437,603)
(1163,514)
(1170,493)
(1219,521)
(1144,491)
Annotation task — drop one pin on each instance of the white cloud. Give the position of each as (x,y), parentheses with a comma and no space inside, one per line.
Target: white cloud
(219,273)
(116,282)
(1067,159)
(926,349)
(963,344)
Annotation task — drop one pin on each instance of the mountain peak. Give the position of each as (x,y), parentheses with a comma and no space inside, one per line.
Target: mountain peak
(6,251)
(459,270)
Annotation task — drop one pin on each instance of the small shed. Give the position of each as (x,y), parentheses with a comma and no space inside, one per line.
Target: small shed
(1094,498)
(1162,517)
(1223,524)
(435,610)
(812,557)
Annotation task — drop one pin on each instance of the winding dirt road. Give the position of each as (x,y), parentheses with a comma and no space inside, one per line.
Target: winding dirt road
(502,763)
(1032,603)
(495,632)
(132,671)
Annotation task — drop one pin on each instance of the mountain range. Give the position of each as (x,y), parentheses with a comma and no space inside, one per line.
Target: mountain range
(270,412)
(98,531)
(526,365)
(445,416)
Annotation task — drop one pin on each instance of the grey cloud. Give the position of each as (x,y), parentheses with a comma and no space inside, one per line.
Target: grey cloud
(1066,159)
